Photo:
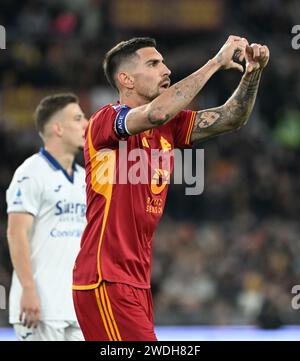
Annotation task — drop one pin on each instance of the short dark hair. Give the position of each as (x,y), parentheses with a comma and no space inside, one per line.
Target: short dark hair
(49,106)
(114,57)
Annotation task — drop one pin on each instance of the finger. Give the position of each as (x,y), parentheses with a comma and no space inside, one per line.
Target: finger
(240,51)
(267,51)
(30,319)
(234,37)
(262,52)
(255,48)
(234,65)
(21,316)
(249,68)
(243,45)
(36,319)
(245,41)
(241,55)
(35,323)
(238,55)
(249,50)
(24,317)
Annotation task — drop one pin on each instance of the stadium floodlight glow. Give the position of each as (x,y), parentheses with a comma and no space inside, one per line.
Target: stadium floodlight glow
(2,37)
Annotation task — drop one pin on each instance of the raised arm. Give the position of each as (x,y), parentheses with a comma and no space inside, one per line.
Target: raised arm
(237,109)
(178,96)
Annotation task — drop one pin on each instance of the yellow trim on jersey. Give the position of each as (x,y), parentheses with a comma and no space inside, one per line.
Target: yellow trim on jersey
(145,142)
(103,165)
(85,287)
(148,132)
(190,128)
(102,314)
(107,314)
(111,312)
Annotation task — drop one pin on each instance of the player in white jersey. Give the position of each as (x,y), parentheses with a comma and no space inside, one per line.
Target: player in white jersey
(46,217)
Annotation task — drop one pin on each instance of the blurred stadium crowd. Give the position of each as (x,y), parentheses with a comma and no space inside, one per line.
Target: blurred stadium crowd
(232,254)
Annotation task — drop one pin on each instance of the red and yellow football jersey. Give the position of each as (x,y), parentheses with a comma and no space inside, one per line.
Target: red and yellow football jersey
(126,193)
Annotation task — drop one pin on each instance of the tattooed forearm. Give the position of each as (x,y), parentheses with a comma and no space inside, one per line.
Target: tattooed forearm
(156,117)
(239,106)
(177,97)
(233,114)
(186,90)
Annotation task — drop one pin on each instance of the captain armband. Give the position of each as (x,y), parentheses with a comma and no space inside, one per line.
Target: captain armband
(120,122)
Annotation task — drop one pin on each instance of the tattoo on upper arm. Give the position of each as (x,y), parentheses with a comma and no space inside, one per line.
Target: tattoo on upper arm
(207,119)
(154,115)
(206,123)
(230,116)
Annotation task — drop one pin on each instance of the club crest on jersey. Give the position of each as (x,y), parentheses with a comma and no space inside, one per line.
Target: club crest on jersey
(159,180)
(18,199)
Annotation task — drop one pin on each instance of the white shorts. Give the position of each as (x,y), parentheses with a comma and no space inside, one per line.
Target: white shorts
(49,331)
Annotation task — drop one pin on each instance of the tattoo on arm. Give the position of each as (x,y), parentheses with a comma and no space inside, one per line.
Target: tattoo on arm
(179,95)
(186,91)
(233,114)
(154,117)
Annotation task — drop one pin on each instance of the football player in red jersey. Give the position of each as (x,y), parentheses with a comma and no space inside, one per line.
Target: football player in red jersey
(111,278)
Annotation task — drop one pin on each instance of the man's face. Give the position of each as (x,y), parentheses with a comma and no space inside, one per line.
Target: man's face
(150,74)
(73,124)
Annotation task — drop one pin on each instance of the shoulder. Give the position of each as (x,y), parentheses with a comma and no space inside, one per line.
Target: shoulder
(184,114)
(30,174)
(108,109)
(31,166)
(183,121)
(181,118)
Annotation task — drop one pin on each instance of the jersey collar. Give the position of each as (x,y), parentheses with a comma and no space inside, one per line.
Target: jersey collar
(56,165)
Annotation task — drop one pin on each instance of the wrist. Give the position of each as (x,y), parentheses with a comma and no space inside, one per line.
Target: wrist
(29,286)
(214,63)
(253,73)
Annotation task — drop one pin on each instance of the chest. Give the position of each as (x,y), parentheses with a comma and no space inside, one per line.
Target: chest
(62,197)
(151,159)
(156,139)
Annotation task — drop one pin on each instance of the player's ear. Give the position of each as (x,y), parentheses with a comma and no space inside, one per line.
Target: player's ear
(125,80)
(57,128)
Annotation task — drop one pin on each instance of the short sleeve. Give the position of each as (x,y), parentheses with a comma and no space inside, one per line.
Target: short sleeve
(24,193)
(183,125)
(108,126)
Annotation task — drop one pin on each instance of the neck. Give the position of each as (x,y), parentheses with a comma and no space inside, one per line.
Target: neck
(64,158)
(133,100)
